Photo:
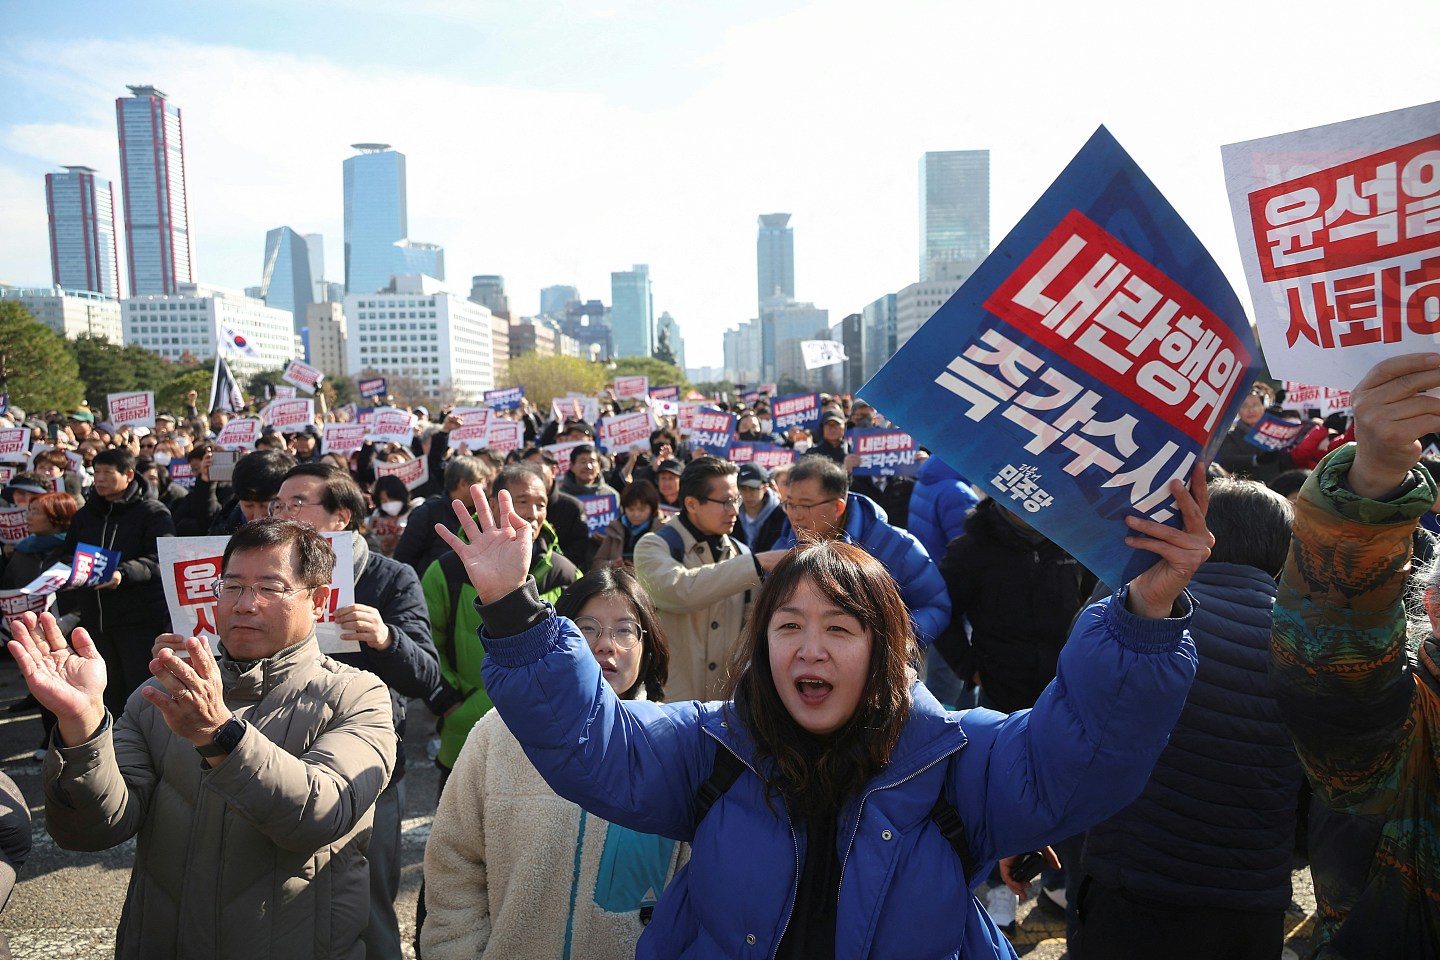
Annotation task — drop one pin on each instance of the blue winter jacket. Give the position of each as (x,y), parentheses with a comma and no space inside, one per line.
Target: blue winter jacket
(938,505)
(1215,826)
(1018,781)
(921,586)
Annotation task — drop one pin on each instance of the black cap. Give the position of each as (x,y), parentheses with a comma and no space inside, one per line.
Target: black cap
(831,415)
(753,475)
(669,466)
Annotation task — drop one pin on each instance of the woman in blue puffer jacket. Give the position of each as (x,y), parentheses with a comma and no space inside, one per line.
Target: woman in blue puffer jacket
(827,844)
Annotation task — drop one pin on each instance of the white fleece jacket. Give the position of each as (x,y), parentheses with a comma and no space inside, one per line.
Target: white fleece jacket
(514,871)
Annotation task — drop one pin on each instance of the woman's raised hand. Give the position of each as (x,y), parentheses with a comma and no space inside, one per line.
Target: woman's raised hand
(1153,593)
(496,550)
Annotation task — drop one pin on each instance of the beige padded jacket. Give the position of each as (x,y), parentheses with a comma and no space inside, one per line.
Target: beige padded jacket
(703,603)
(260,857)
(515,872)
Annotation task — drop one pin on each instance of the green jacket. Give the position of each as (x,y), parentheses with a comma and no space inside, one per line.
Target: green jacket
(455,625)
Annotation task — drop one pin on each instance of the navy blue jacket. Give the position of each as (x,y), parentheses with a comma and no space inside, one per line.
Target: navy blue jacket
(1017,781)
(921,586)
(410,666)
(938,505)
(1215,826)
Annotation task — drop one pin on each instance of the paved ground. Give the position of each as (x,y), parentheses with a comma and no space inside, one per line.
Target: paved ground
(67,904)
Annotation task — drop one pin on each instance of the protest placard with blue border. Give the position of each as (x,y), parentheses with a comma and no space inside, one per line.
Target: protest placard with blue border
(1273,434)
(1094,356)
(373,387)
(507,399)
(883,452)
(665,393)
(600,510)
(713,432)
(796,410)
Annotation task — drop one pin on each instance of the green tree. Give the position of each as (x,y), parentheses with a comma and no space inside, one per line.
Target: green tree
(172,396)
(547,377)
(36,369)
(152,371)
(262,385)
(105,368)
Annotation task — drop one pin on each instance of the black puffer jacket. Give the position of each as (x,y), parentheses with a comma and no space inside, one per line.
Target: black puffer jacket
(1215,825)
(1020,598)
(130,525)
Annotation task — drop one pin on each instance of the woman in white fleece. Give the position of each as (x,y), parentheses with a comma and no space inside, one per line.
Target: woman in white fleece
(512,870)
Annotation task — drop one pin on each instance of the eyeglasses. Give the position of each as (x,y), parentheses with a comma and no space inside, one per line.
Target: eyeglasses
(791,506)
(286,508)
(265,592)
(729,503)
(624,634)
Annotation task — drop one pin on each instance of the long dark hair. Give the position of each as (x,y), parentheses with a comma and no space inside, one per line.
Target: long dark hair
(613,581)
(812,773)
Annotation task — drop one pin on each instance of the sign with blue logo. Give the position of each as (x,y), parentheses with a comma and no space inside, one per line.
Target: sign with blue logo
(1096,355)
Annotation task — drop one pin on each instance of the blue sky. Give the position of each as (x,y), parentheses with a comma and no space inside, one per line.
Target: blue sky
(555,142)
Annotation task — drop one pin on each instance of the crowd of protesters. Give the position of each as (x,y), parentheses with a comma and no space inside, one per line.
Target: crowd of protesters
(721,608)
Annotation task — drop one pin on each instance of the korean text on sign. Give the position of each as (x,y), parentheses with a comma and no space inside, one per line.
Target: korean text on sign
(1086,296)
(1276,433)
(712,431)
(884,453)
(133,409)
(996,374)
(801,410)
(600,511)
(626,432)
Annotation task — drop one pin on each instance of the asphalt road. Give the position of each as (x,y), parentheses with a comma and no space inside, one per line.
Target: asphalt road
(67,905)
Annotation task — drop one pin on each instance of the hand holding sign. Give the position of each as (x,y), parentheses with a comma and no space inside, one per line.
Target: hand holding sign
(69,682)
(1153,593)
(1391,412)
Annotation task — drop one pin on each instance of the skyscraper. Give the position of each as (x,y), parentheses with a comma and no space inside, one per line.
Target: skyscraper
(553,299)
(152,179)
(954,208)
(775,257)
(286,282)
(632,317)
(83,255)
(315,246)
(375,216)
(489,289)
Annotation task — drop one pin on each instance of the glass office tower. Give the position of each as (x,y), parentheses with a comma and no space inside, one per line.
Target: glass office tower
(83,255)
(152,179)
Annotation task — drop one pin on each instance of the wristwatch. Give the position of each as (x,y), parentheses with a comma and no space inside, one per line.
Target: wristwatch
(227,738)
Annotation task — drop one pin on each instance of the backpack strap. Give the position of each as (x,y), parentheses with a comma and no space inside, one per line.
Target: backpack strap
(726,771)
(952,827)
(672,538)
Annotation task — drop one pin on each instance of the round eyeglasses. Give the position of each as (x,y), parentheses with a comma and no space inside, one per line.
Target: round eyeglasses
(624,634)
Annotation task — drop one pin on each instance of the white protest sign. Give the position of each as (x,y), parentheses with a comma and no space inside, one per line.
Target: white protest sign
(561,452)
(632,388)
(472,416)
(13,527)
(289,416)
(131,409)
(570,408)
(471,436)
(15,444)
(502,436)
(392,426)
(303,375)
(189,567)
(16,601)
(626,431)
(413,473)
(822,353)
(283,393)
(343,437)
(239,434)
(1336,226)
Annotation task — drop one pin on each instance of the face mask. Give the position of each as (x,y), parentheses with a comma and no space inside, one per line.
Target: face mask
(161,458)
(391,508)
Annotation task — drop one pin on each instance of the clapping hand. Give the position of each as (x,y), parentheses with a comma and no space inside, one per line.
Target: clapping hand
(497,556)
(67,681)
(1181,551)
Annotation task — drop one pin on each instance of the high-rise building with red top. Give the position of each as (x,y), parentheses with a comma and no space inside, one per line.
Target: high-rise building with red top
(152,180)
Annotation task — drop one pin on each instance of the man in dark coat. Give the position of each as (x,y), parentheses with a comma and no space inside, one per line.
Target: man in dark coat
(128,611)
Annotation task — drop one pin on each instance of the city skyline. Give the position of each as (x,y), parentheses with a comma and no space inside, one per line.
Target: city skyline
(664,158)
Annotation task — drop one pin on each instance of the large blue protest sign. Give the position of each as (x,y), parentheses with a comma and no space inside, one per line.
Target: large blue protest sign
(1272,433)
(373,387)
(713,432)
(1093,357)
(507,399)
(600,510)
(883,452)
(796,410)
